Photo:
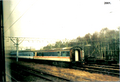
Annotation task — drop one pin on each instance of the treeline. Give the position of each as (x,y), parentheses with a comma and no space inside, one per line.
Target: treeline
(99,43)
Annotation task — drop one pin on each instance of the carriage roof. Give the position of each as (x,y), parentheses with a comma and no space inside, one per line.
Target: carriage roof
(53,49)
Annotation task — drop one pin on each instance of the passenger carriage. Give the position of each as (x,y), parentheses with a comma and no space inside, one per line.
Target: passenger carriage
(22,54)
(62,56)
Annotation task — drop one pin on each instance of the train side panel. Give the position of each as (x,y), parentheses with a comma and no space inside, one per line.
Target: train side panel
(66,59)
(24,55)
(54,56)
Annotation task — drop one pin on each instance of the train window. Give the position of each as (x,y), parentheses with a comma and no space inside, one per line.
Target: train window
(51,54)
(13,53)
(65,53)
(33,53)
(58,53)
(55,53)
(46,54)
(39,54)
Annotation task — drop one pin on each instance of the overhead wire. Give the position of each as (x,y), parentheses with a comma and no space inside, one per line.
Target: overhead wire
(12,11)
(21,16)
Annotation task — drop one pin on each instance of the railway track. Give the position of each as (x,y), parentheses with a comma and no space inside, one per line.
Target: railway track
(40,74)
(55,73)
(104,69)
(114,66)
(43,75)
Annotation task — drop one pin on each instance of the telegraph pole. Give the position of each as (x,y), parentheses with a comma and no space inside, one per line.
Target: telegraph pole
(17,49)
(17,45)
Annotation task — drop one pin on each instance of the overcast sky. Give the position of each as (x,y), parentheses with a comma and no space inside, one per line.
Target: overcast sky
(70,18)
(64,18)
(60,19)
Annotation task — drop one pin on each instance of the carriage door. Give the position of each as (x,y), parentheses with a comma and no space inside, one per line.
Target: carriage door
(76,55)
